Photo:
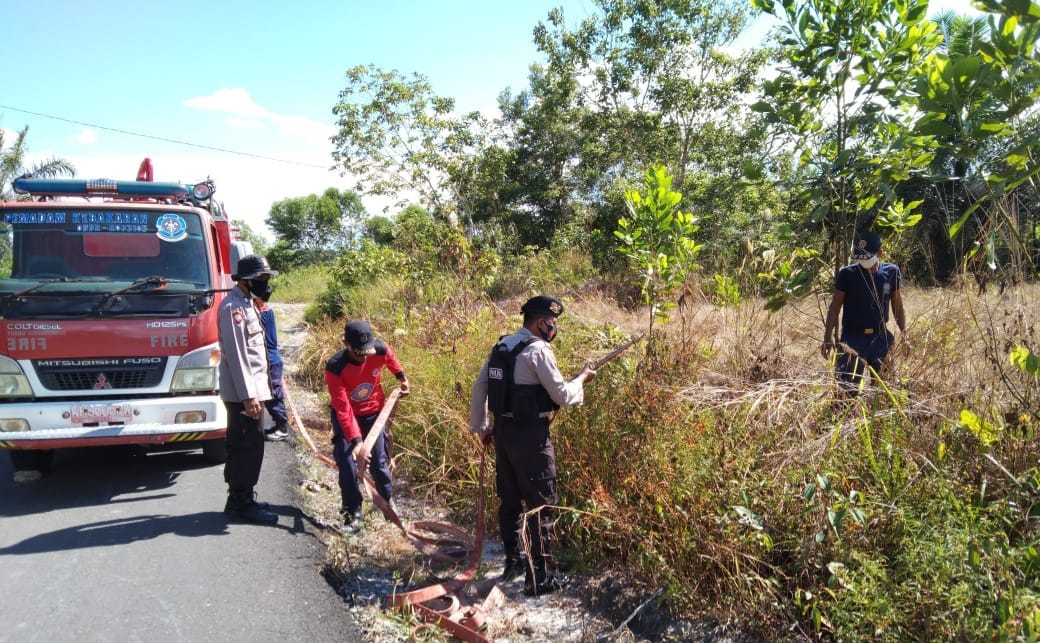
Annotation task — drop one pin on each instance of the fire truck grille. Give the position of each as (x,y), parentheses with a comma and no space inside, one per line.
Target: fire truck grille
(66,378)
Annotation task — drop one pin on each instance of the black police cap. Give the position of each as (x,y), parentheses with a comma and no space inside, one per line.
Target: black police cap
(542,305)
(251,267)
(866,245)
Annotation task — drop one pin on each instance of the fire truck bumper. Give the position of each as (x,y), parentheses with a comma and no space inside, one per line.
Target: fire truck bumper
(58,425)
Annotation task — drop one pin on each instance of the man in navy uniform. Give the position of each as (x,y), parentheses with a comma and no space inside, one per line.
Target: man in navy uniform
(276,405)
(244,387)
(864,291)
(521,384)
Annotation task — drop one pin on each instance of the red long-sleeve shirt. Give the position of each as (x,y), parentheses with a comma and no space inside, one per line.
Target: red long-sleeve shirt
(356,389)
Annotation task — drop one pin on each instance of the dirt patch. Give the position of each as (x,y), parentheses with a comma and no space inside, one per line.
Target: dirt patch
(368,566)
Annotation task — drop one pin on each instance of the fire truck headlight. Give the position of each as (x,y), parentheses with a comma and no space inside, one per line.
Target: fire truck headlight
(13,382)
(14,386)
(197,371)
(194,379)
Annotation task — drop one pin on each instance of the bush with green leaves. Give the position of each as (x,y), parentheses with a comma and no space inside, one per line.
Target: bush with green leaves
(352,271)
(657,238)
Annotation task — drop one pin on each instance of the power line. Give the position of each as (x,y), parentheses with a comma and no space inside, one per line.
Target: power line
(163,139)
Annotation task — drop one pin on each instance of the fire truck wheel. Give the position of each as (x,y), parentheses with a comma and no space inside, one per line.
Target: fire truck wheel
(32,460)
(215,450)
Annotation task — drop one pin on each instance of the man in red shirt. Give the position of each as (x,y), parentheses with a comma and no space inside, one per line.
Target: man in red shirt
(355,400)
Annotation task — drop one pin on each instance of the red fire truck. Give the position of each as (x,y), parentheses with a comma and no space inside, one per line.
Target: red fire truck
(108,316)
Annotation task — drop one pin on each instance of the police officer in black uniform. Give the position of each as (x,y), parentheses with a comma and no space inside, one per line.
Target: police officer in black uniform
(244,386)
(522,386)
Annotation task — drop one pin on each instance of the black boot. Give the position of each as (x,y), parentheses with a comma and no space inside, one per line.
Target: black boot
(542,582)
(241,506)
(229,505)
(516,564)
(351,520)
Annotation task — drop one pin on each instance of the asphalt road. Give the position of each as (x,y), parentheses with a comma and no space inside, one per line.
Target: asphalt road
(116,546)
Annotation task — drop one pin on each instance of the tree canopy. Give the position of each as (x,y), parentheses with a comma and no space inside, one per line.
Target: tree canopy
(870,114)
(310,228)
(397,138)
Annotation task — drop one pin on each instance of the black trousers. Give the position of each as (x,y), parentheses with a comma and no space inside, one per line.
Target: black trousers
(525,477)
(245,450)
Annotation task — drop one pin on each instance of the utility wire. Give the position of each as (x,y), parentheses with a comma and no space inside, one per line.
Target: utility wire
(165,140)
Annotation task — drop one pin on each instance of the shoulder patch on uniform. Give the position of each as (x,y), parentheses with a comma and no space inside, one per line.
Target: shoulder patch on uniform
(337,362)
(238,316)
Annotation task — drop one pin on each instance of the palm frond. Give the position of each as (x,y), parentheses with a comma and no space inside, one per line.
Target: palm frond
(12,164)
(51,168)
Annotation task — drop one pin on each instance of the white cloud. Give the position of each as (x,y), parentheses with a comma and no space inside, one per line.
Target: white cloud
(86,136)
(246,113)
(234,101)
(304,128)
(239,123)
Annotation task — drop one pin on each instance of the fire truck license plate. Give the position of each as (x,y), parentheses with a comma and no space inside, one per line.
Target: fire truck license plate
(89,413)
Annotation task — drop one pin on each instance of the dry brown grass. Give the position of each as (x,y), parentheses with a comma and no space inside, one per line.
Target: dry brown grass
(729,407)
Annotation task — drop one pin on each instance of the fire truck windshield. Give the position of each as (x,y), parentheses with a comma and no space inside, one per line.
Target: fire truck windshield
(109,247)
(104,262)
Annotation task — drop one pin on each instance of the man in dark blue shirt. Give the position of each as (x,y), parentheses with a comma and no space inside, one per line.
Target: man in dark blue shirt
(863,292)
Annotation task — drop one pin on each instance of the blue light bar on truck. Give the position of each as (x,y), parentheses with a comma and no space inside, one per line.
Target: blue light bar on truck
(100,187)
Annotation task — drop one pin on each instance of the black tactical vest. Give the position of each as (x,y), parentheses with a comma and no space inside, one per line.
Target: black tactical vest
(524,402)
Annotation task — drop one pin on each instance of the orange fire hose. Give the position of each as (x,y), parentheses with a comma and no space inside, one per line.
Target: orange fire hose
(443,604)
(303,430)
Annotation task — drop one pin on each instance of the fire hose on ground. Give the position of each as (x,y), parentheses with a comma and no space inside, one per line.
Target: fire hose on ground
(444,604)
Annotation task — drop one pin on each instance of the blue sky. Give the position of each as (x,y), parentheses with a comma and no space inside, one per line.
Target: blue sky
(259,78)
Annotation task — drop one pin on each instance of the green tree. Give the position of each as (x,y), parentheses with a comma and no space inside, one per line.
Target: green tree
(635,83)
(657,238)
(246,233)
(415,234)
(656,80)
(311,228)
(539,184)
(978,98)
(479,180)
(429,247)
(379,229)
(963,38)
(397,138)
(842,96)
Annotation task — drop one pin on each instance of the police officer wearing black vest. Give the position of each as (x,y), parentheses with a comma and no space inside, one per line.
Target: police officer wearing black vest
(521,386)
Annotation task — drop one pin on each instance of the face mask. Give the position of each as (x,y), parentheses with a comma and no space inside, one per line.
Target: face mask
(261,289)
(549,333)
(868,263)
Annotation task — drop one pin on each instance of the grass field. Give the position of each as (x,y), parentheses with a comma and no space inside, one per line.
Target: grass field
(718,462)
